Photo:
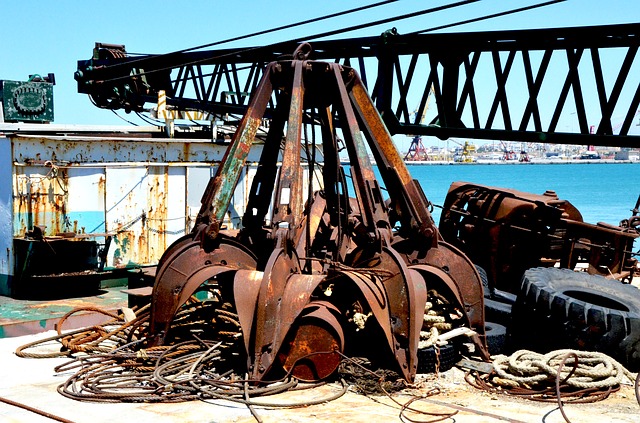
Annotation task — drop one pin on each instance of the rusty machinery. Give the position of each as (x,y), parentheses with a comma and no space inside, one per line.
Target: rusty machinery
(507,232)
(324,260)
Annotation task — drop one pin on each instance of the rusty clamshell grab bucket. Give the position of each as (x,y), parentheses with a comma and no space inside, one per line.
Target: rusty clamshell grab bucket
(302,276)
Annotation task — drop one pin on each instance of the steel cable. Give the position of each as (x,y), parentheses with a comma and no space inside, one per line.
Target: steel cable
(357,368)
(179,372)
(306,38)
(486,17)
(203,359)
(267,31)
(35,410)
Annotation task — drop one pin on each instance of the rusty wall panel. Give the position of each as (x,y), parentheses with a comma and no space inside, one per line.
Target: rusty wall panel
(126,205)
(146,192)
(85,207)
(6,215)
(165,207)
(145,211)
(197,179)
(40,198)
(144,206)
(176,216)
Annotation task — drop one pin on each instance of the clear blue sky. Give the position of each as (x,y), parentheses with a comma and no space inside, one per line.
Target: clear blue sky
(42,37)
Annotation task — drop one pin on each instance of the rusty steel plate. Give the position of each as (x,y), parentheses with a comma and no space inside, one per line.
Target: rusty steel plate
(312,349)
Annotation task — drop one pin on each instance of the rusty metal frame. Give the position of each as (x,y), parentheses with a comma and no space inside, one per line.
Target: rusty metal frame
(507,231)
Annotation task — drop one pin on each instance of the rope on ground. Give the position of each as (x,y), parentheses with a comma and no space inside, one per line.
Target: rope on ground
(547,377)
(528,369)
(95,339)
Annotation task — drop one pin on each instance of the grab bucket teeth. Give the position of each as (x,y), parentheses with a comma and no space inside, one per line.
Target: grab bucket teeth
(307,259)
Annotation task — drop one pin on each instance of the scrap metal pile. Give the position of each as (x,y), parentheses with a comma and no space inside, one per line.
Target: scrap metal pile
(312,277)
(527,247)
(317,285)
(324,274)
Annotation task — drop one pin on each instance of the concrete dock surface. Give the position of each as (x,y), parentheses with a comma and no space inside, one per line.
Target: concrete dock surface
(33,382)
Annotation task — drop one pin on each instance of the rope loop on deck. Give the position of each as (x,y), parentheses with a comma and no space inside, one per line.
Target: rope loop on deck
(528,368)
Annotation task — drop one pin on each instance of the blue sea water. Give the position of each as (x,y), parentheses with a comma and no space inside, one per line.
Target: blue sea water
(603,192)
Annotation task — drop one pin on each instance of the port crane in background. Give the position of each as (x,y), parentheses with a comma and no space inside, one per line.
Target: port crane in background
(524,154)
(396,69)
(417,151)
(465,152)
(619,125)
(507,152)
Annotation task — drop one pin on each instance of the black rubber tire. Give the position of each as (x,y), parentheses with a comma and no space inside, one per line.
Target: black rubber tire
(427,360)
(503,296)
(496,337)
(560,308)
(497,311)
(484,278)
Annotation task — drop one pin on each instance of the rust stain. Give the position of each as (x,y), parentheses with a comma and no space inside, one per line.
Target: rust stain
(143,248)
(102,186)
(186,152)
(40,199)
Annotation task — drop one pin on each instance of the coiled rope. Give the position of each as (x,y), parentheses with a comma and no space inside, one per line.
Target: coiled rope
(527,369)
(547,377)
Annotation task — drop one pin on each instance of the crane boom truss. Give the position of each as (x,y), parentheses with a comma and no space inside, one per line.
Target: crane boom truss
(544,85)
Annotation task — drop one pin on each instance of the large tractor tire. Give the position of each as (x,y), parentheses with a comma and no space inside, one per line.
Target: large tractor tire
(560,308)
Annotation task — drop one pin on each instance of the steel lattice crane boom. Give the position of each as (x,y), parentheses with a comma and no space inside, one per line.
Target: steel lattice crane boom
(397,69)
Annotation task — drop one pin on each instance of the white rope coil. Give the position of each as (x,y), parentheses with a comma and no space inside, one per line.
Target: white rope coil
(528,368)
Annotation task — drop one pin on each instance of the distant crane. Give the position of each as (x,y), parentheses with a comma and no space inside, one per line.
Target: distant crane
(619,125)
(524,155)
(508,153)
(417,151)
(464,154)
